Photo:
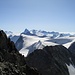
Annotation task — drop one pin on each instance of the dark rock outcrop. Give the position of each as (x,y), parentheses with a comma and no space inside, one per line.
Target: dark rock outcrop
(11,62)
(51,60)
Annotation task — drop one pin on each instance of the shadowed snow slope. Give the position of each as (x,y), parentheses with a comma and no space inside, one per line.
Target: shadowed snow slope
(15,38)
(72,50)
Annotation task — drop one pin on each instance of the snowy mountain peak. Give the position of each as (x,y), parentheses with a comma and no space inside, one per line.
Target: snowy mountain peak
(8,32)
(26,31)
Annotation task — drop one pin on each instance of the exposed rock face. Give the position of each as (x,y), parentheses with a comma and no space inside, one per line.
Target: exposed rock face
(19,43)
(3,40)
(11,62)
(51,60)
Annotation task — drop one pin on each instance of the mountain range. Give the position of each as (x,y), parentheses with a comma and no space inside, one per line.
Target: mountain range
(30,40)
(43,55)
(42,33)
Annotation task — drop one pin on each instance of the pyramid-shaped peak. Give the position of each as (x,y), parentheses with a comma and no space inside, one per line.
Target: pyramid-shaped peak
(26,31)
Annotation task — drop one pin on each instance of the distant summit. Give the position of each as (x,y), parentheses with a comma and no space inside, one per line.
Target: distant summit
(26,31)
(9,33)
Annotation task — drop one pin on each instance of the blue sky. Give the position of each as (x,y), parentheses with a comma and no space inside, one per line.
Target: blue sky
(50,15)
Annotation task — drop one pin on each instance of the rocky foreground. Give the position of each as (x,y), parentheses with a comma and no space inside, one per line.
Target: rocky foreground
(11,61)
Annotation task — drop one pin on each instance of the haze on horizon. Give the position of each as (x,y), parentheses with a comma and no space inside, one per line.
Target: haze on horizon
(49,15)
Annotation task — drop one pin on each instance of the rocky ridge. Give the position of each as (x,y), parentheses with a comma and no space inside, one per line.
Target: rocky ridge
(51,60)
(11,61)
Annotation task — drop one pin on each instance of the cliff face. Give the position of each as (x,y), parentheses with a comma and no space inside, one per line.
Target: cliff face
(51,60)
(11,62)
